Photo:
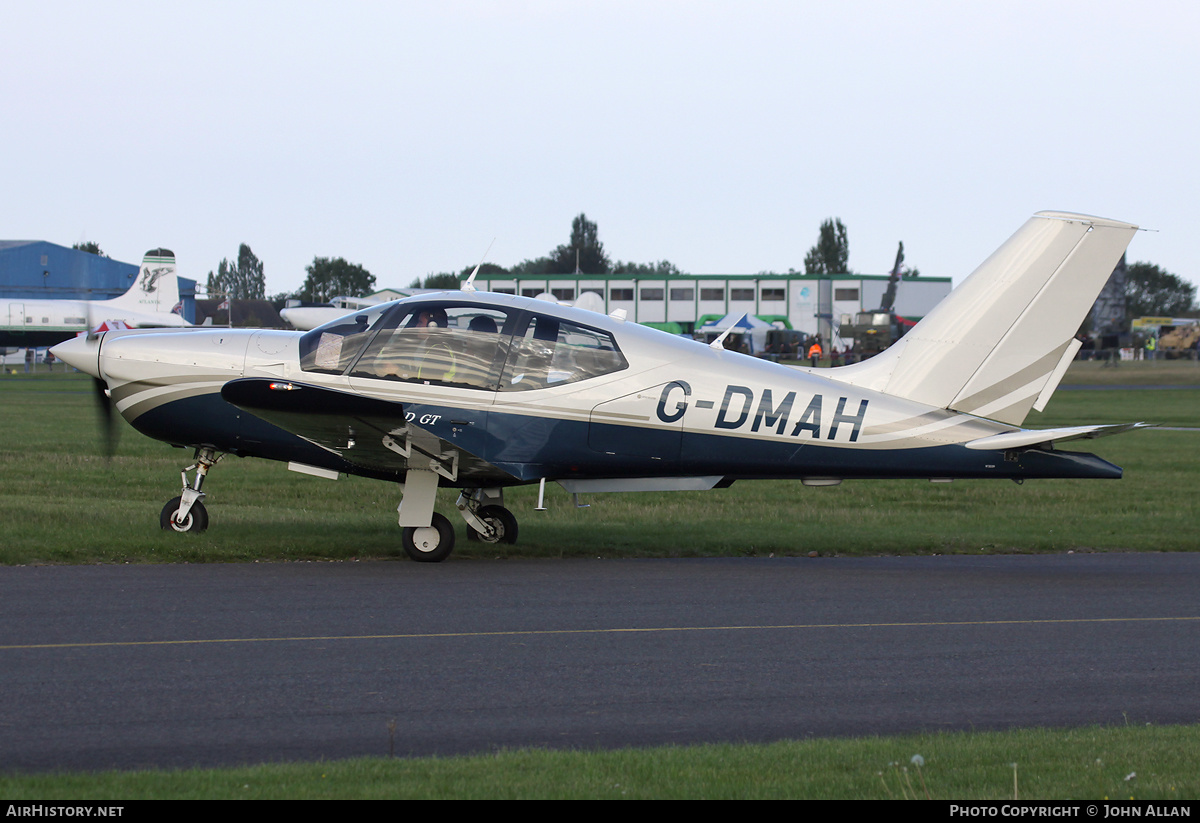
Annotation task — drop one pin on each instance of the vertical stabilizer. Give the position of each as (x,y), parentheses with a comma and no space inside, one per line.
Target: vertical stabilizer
(156,290)
(997,342)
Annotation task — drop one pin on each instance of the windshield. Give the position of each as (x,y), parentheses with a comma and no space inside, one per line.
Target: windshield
(331,348)
(439,343)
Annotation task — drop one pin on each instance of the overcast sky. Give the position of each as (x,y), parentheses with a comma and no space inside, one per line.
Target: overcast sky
(405,136)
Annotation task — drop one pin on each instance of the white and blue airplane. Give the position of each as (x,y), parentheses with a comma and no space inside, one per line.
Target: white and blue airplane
(479,392)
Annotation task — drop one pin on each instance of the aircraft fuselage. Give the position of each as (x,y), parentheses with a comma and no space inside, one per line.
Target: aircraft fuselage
(662,406)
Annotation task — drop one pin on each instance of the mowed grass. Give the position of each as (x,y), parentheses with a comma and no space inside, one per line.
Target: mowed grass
(1118,764)
(1133,373)
(64,501)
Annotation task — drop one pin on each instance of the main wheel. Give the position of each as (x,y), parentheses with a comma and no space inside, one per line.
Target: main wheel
(195,522)
(429,544)
(500,519)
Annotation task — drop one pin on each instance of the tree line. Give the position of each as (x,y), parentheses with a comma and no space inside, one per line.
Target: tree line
(583,253)
(1150,291)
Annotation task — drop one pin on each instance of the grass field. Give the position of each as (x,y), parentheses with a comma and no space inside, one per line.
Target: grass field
(1123,763)
(63,501)
(1134,373)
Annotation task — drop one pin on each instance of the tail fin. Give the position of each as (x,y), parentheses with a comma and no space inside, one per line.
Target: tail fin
(1000,342)
(156,290)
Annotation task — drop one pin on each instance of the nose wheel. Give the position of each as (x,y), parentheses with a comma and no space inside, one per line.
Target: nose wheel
(194,522)
(185,514)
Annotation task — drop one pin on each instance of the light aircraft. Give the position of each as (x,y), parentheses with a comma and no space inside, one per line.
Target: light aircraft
(305,318)
(480,391)
(151,302)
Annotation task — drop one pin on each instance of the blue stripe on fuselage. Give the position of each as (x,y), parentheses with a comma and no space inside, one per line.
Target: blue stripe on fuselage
(529,447)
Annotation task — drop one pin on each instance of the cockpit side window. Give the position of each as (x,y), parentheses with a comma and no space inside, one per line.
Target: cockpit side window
(331,348)
(439,344)
(550,351)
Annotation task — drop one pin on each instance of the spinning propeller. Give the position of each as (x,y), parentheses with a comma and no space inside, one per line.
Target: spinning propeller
(110,432)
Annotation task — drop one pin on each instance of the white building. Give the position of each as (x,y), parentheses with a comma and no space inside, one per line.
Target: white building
(681,303)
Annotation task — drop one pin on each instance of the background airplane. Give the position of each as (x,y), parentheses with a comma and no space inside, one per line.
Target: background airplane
(151,302)
(481,391)
(304,318)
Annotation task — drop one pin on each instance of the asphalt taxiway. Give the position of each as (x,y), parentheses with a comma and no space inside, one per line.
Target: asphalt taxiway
(180,665)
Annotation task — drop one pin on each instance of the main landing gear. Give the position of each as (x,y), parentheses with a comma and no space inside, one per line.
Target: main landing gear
(490,523)
(429,544)
(428,537)
(487,519)
(186,514)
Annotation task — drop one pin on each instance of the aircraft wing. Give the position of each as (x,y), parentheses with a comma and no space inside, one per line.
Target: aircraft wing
(370,433)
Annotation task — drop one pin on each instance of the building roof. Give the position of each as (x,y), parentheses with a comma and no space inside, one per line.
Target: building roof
(34,269)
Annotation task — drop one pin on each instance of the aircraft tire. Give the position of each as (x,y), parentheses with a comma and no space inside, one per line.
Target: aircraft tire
(196,521)
(500,519)
(429,544)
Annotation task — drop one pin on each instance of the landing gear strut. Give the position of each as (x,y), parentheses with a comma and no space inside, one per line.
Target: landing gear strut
(487,520)
(428,537)
(186,514)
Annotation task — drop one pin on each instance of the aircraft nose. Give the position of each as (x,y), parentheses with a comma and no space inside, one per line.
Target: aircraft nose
(80,352)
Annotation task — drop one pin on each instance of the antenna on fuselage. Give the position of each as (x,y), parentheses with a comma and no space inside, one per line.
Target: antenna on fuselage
(719,343)
(469,283)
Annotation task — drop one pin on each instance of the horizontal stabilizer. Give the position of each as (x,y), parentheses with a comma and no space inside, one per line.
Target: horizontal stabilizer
(1036,437)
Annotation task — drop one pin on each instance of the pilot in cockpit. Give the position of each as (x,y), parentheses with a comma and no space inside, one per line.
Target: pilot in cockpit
(419,350)
(432,358)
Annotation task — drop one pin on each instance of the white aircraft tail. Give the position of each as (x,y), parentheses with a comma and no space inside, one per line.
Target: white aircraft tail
(999,343)
(156,290)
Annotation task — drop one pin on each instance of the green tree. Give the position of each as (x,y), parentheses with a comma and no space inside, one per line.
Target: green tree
(334,277)
(831,255)
(251,279)
(490,269)
(1152,292)
(446,280)
(90,248)
(538,265)
(243,280)
(584,250)
(663,268)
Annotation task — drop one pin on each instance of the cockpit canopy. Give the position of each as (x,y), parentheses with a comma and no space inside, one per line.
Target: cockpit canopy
(462,344)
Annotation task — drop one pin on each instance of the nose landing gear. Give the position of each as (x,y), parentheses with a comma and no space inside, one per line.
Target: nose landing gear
(186,514)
